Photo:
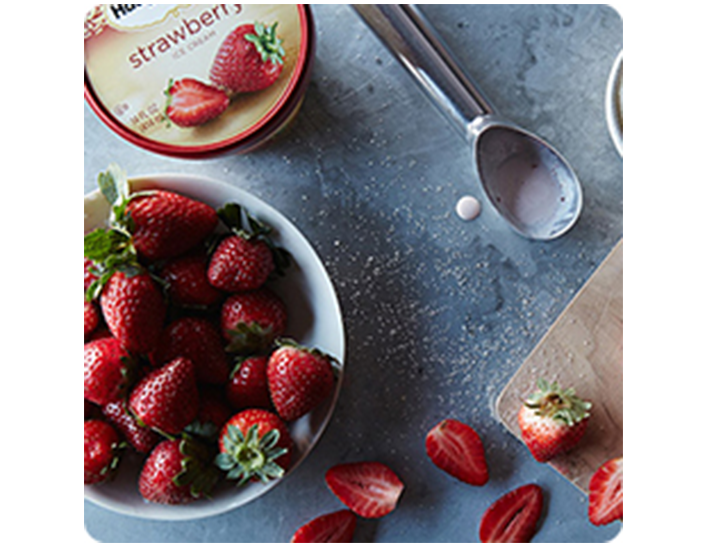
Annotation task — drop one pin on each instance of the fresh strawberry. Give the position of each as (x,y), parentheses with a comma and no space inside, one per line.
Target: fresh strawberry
(187,284)
(249,59)
(606,493)
(191,103)
(514,517)
(248,385)
(255,445)
(251,321)
(107,370)
(165,224)
(552,420)
(244,260)
(134,310)
(200,342)
(91,318)
(338,527)
(167,399)
(101,451)
(240,264)
(457,449)
(369,489)
(177,472)
(299,379)
(152,224)
(143,439)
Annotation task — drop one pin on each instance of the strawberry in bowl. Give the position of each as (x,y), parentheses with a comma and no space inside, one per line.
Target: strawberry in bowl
(165,385)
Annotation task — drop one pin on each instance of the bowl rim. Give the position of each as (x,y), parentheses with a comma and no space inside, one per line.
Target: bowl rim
(205,510)
(614,112)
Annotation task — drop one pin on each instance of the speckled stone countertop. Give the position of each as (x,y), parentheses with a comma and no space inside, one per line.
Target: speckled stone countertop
(439,313)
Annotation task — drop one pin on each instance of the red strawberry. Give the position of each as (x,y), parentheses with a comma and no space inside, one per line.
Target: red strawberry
(244,260)
(200,342)
(552,420)
(251,321)
(240,264)
(91,318)
(187,284)
(191,103)
(249,59)
(369,489)
(165,224)
(134,310)
(514,517)
(457,449)
(299,379)
(167,399)
(248,385)
(177,472)
(338,527)
(142,439)
(606,493)
(107,369)
(101,449)
(255,445)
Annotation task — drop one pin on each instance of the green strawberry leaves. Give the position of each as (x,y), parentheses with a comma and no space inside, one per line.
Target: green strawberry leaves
(250,456)
(267,44)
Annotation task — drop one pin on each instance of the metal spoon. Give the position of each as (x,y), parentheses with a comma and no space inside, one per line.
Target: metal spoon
(528,182)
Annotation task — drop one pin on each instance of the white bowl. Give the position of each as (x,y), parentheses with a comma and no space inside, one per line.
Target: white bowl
(614,103)
(314,319)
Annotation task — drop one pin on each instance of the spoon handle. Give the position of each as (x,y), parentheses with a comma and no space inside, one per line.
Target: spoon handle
(413,41)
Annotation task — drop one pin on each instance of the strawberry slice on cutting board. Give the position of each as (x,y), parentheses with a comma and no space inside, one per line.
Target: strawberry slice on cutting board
(514,517)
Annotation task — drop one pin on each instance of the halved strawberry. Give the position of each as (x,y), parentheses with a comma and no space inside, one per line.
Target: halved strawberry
(514,517)
(457,449)
(370,489)
(337,527)
(606,493)
(191,102)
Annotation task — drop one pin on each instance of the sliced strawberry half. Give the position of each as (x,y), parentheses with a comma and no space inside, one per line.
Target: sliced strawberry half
(606,493)
(456,448)
(191,102)
(338,527)
(514,517)
(369,489)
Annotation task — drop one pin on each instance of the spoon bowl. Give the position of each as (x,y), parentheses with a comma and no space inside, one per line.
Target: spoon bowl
(527,181)
(529,184)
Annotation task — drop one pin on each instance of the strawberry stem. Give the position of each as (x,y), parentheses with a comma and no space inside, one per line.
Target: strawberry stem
(267,43)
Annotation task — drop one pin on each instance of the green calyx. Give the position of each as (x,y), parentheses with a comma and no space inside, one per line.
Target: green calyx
(111,249)
(267,44)
(247,457)
(249,338)
(563,405)
(197,472)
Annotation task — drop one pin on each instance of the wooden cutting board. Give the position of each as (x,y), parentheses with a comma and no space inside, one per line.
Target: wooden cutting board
(584,349)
